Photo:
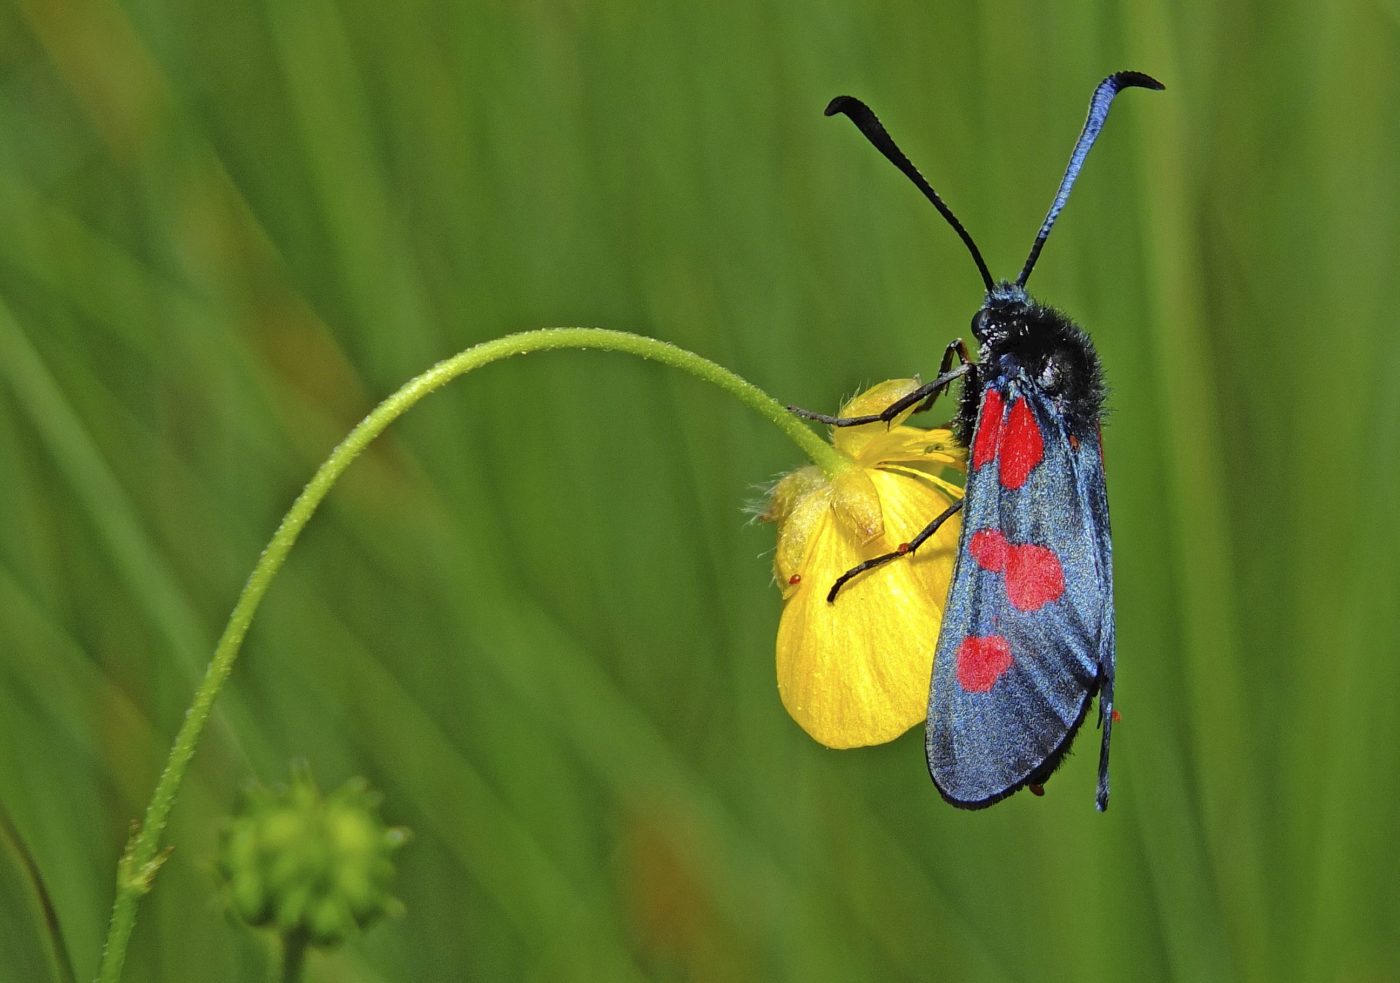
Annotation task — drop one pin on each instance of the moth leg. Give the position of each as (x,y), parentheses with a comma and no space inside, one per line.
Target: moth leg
(927,391)
(905,549)
(1106,722)
(956,347)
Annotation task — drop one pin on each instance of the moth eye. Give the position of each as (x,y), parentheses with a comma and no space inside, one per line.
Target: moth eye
(979,323)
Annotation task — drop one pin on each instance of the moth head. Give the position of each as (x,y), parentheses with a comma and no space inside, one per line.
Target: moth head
(1004,313)
(1019,336)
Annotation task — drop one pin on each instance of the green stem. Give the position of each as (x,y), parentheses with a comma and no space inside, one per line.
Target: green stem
(142,857)
(294,947)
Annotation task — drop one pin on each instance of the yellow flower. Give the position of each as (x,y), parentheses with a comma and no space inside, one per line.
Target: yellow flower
(856,672)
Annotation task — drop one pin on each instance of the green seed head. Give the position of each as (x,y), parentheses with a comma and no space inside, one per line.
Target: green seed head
(307,864)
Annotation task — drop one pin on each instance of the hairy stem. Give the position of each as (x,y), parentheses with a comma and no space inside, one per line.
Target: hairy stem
(142,858)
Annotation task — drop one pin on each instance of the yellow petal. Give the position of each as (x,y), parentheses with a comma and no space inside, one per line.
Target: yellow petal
(937,447)
(857,672)
(852,440)
(879,396)
(930,475)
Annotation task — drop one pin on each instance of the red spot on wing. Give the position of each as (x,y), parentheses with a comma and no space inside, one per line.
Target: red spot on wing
(1022,447)
(1034,577)
(989,548)
(982,660)
(984,445)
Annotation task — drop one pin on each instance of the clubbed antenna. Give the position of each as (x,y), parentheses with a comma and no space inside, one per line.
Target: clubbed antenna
(868,124)
(1098,113)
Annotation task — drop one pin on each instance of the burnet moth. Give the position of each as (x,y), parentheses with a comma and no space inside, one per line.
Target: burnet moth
(1028,637)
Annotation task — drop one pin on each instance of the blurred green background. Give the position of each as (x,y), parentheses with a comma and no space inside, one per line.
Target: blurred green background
(535,615)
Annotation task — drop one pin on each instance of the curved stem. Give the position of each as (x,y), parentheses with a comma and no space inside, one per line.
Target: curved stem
(142,857)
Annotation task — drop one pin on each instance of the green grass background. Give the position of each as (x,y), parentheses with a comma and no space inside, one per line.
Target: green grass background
(535,614)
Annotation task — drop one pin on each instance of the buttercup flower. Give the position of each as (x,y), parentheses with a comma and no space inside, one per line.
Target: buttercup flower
(856,672)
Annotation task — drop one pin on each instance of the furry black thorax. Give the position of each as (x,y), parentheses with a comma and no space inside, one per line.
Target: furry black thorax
(1039,348)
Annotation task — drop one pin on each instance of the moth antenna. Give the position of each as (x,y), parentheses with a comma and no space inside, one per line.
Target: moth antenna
(869,124)
(1098,113)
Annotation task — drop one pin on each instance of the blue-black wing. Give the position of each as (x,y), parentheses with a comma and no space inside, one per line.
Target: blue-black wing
(1028,634)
